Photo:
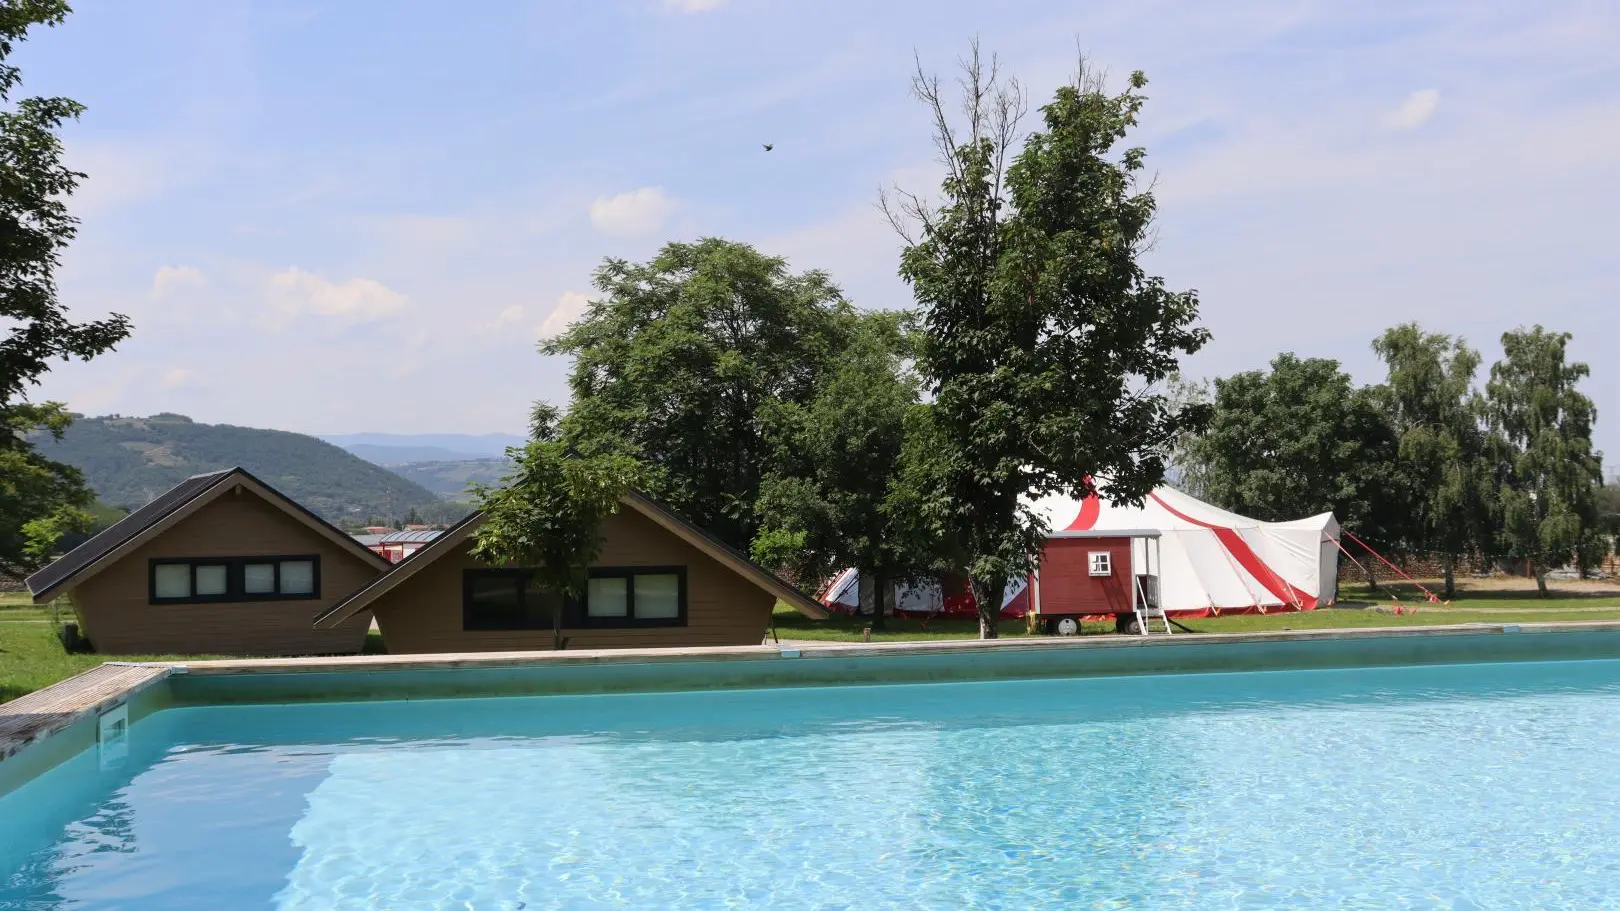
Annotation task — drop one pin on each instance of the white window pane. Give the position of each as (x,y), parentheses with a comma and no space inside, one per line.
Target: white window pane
(607,597)
(259,578)
(211,579)
(658,597)
(172,580)
(297,577)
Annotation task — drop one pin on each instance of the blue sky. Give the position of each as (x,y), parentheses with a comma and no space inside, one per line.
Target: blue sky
(359,216)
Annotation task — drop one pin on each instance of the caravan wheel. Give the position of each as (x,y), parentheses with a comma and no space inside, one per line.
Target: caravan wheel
(1068,626)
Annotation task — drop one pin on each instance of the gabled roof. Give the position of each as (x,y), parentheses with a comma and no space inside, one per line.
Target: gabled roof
(169,508)
(453,536)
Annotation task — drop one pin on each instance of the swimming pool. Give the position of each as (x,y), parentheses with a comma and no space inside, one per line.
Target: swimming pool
(1456,787)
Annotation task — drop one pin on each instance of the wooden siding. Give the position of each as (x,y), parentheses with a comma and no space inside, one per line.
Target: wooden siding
(1067,586)
(115,615)
(423,614)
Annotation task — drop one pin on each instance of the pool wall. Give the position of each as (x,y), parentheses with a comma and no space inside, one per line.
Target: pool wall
(47,728)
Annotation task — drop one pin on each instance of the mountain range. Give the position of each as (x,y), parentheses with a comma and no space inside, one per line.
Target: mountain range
(408,448)
(130,460)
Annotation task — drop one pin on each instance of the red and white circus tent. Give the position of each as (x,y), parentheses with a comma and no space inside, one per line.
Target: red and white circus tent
(1210,560)
(1214,561)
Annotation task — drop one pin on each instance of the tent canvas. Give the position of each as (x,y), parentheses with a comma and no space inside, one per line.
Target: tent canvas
(842,594)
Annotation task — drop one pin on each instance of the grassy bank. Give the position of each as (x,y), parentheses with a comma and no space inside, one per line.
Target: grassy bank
(1359,610)
(32,657)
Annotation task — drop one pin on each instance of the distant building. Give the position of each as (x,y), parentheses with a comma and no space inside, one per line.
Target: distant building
(395,546)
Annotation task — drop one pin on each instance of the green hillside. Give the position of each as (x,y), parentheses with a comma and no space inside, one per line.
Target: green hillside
(451,479)
(128,461)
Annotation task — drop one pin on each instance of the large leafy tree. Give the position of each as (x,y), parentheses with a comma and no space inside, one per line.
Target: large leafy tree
(1302,438)
(40,499)
(829,499)
(677,360)
(1045,343)
(546,516)
(1542,429)
(1438,417)
(1608,504)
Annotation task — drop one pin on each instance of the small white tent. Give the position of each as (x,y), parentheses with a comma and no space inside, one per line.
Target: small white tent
(1214,561)
(843,595)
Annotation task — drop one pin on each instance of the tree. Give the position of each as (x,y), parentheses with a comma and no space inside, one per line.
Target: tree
(1437,418)
(1541,427)
(678,358)
(1045,343)
(825,503)
(1608,502)
(1300,439)
(547,517)
(40,499)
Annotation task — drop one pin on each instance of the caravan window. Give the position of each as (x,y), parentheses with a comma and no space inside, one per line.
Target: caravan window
(1102,563)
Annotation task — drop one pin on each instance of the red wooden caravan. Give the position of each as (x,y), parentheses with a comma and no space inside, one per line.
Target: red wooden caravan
(1085,574)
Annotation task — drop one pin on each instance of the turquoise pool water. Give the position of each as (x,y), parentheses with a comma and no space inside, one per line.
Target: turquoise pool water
(1462,787)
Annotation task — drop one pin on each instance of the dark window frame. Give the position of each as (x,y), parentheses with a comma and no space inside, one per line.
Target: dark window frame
(522,577)
(581,610)
(235,592)
(575,612)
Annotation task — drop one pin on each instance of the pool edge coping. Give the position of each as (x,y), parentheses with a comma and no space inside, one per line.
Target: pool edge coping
(44,713)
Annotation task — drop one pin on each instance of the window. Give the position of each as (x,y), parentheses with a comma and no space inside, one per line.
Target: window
(505,599)
(1102,563)
(508,599)
(297,577)
(638,596)
(235,579)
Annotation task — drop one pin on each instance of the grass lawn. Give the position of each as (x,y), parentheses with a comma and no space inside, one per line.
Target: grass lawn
(32,657)
(1479,606)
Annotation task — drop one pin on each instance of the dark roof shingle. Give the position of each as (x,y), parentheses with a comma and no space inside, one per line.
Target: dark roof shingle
(120,532)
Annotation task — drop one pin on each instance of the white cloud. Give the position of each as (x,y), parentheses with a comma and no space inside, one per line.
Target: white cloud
(637,212)
(294,292)
(174,278)
(176,377)
(570,306)
(1416,110)
(693,6)
(503,320)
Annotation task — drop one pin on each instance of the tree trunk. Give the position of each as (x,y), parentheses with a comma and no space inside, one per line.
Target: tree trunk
(882,598)
(989,603)
(1541,579)
(1450,563)
(866,586)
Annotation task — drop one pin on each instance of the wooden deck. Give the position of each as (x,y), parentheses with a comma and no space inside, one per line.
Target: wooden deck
(44,712)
